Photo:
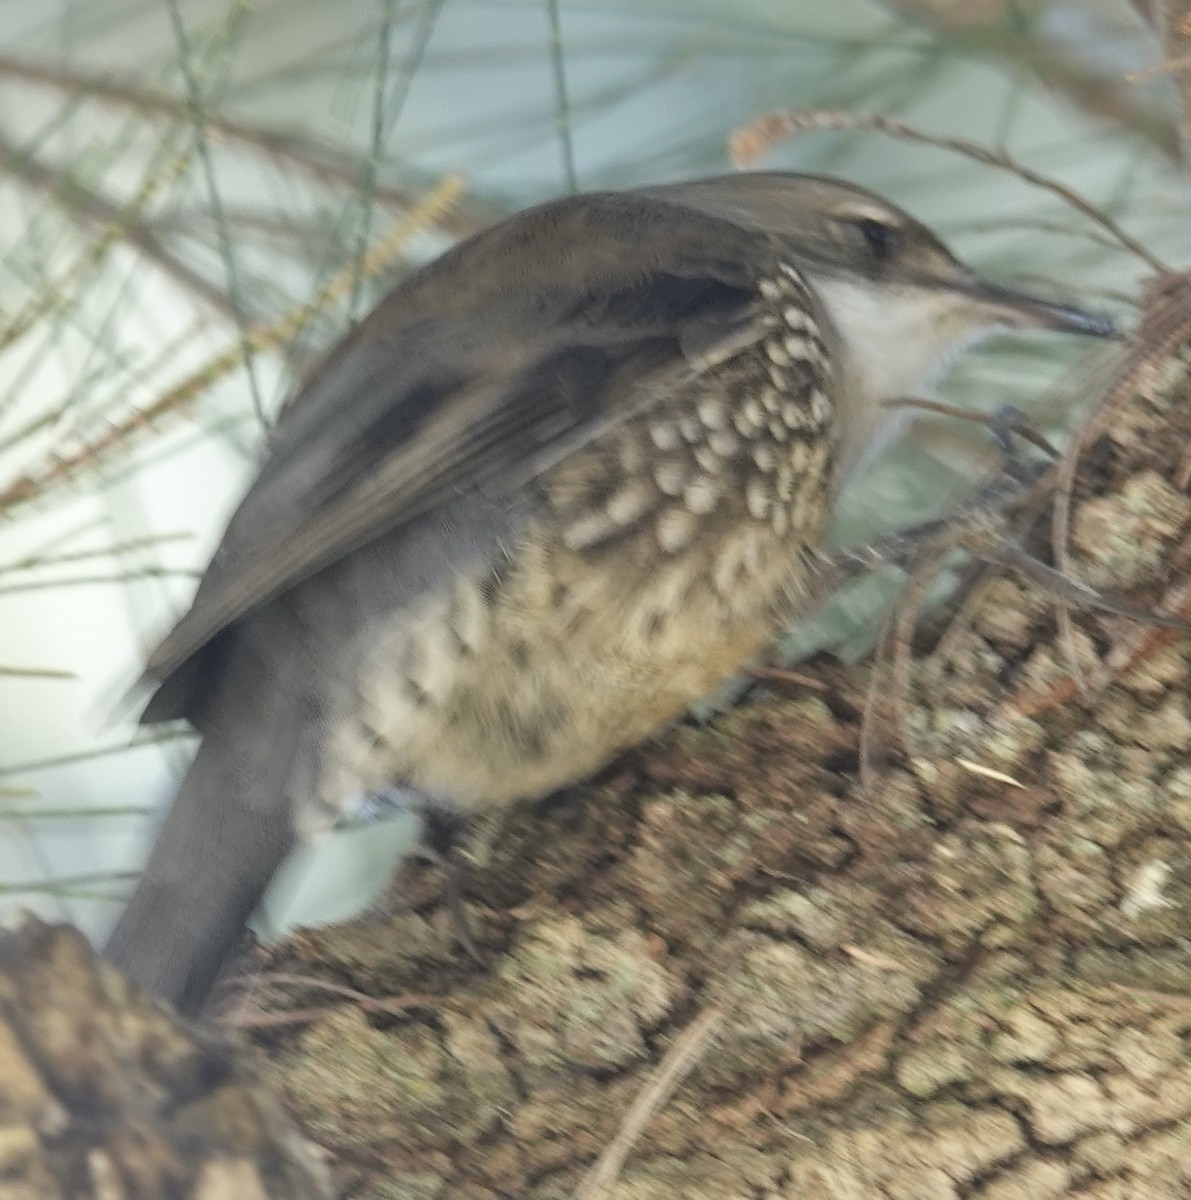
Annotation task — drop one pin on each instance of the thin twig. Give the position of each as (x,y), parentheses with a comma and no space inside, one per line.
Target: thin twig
(154,738)
(561,97)
(206,161)
(787,677)
(975,768)
(35,673)
(1142,643)
(385,1005)
(386,112)
(1164,326)
(322,162)
(60,468)
(1175,31)
(73,813)
(118,222)
(866,748)
(909,610)
(42,560)
(1057,64)
(1167,67)
(688,1047)
(972,592)
(751,142)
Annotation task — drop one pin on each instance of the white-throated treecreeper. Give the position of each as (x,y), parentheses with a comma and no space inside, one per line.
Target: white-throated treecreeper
(557,486)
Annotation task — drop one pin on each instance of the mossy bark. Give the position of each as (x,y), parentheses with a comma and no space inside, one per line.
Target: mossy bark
(958,984)
(106,1096)
(971,980)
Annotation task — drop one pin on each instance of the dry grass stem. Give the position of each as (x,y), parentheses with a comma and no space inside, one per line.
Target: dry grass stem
(679,1059)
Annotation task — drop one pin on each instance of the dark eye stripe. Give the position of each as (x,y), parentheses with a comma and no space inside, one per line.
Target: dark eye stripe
(881,238)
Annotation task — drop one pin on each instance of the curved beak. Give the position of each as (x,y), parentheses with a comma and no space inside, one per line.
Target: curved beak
(1024,311)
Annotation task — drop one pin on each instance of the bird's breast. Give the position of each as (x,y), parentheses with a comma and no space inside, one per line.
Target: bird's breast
(663,556)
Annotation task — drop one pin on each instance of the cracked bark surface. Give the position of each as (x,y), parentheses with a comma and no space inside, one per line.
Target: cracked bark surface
(964,984)
(104,1095)
(952,987)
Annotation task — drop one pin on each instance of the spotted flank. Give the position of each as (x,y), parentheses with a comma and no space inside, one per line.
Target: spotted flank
(694,465)
(669,550)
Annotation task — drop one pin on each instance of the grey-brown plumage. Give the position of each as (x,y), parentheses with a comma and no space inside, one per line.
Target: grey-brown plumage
(556,487)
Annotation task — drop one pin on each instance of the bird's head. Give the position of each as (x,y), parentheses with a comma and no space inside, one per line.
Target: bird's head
(899,305)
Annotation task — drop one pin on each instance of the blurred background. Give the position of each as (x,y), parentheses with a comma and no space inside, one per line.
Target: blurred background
(196,196)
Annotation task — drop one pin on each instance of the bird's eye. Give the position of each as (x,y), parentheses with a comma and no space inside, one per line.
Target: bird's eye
(880,238)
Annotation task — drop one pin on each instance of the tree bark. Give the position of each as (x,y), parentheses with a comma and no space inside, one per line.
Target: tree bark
(106,1096)
(972,980)
(726,970)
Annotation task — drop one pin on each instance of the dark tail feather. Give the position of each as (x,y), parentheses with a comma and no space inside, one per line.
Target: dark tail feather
(227,833)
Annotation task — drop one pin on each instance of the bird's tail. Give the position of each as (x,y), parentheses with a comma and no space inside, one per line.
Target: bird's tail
(228,831)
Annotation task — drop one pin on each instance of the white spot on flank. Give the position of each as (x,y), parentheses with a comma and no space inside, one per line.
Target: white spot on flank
(471,617)
(700,495)
(663,435)
(796,459)
(776,353)
(1145,889)
(791,273)
(626,505)
(756,497)
(589,530)
(793,415)
(724,443)
(798,319)
(798,345)
(670,477)
(744,427)
(431,661)
(675,528)
(727,562)
(707,458)
(690,429)
(712,414)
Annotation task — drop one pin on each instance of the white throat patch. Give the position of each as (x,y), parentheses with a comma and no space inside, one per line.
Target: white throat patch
(895,341)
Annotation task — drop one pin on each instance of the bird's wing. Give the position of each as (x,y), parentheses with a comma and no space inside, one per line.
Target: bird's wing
(479,372)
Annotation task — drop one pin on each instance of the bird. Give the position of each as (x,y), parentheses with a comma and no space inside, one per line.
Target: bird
(559,484)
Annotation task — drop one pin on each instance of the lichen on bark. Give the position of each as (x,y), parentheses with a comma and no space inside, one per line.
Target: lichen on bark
(959,984)
(104,1095)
